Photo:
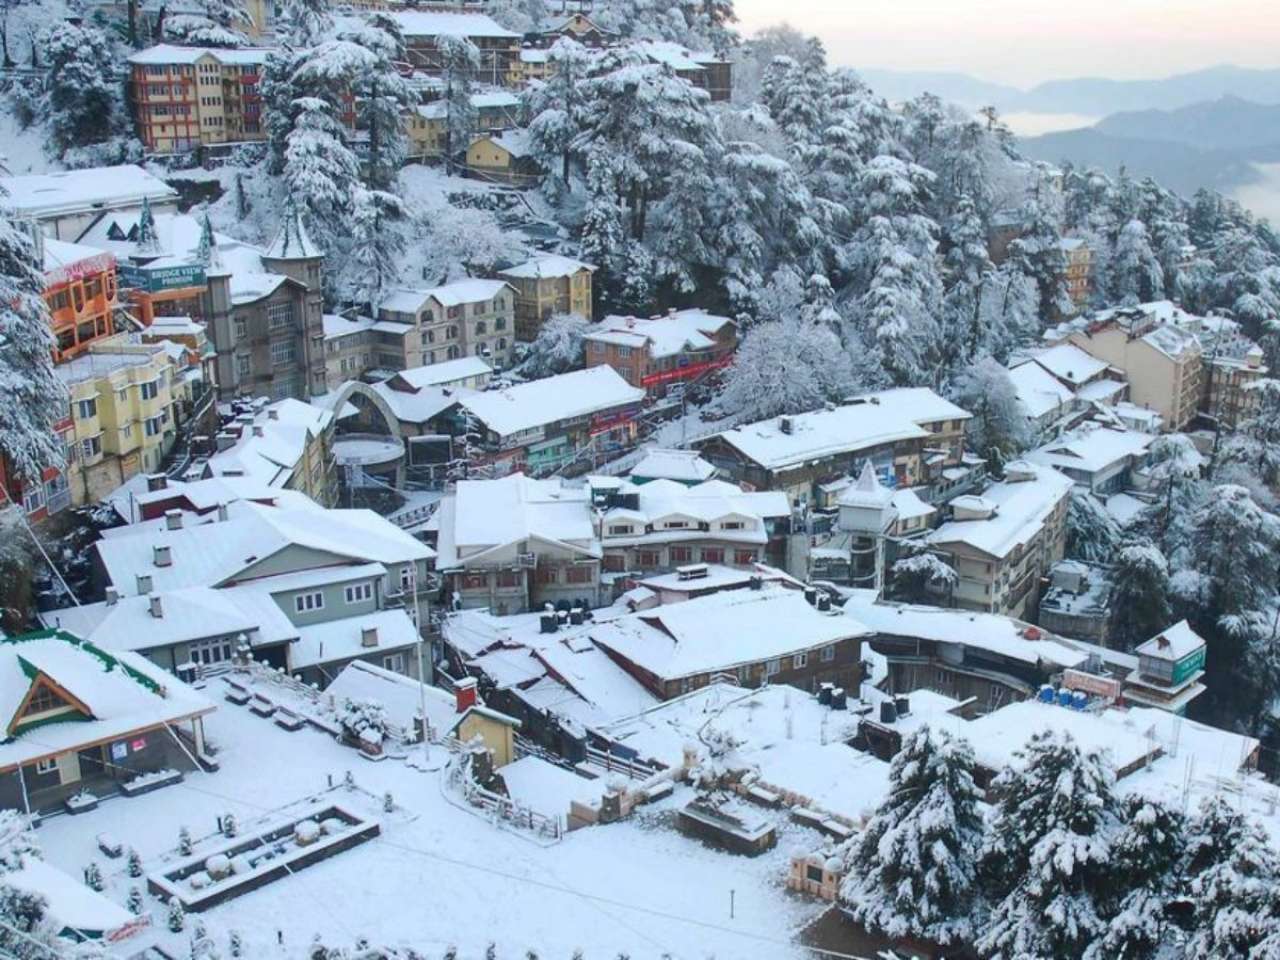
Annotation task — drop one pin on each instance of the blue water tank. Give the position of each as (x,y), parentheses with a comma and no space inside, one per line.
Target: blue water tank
(1079,700)
(1064,697)
(1046,693)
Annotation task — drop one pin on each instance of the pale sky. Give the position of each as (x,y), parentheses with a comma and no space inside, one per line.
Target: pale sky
(1024,42)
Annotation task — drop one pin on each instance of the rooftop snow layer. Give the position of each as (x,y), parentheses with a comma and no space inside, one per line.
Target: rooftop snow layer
(50,194)
(166,53)
(1173,643)
(552,399)
(822,433)
(546,266)
(1092,449)
(1039,391)
(682,465)
(667,335)
(1069,363)
(1020,510)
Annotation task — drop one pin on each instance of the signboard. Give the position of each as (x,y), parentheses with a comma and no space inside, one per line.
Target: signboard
(88,267)
(139,744)
(686,372)
(1105,687)
(119,750)
(157,279)
(1188,666)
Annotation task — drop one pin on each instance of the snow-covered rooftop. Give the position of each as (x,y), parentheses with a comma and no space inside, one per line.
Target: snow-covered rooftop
(722,631)
(411,300)
(1173,643)
(684,466)
(286,427)
(42,195)
(667,335)
(424,23)
(1039,391)
(166,53)
(546,266)
(822,433)
(420,405)
(1093,448)
(337,640)
(986,631)
(484,100)
(122,693)
(1070,364)
(712,501)
(336,327)
(59,255)
(920,405)
(552,399)
(188,614)
(1020,510)
(445,372)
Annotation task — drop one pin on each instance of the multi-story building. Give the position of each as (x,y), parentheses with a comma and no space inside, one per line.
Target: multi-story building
(262,309)
(1232,365)
(1003,542)
(286,445)
(188,97)
(80,291)
(675,347)
(65,204)
(427,125)
(703,69)
(1077,264)
(348,348)
(123,414)
(468,318)
(545,285)
(498,47)
(1162,362)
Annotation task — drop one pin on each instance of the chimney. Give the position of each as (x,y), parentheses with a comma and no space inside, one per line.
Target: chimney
(144,583)
(157,481)
(173,519)
(162,555)
(157,610)
(257,430)
(273,413)
(464,692)
(222,512)
(113,596)
(368,636)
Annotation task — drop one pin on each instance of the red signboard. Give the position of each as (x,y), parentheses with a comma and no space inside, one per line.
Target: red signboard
(88,267)
(685,373)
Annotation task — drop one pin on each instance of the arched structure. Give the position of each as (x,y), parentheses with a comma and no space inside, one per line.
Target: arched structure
(365,443)
(352,387)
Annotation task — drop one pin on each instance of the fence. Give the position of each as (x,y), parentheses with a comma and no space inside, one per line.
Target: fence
(499,808)
(632,767)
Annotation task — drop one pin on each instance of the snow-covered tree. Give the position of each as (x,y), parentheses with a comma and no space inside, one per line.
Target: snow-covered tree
(28,931)
(93,877)
(1232,872)
(557,348)
(1038,253)
(32,398)
(459,61)
(84,97)
(999,429)
(364,720)
(794,95)
(376,244)
(320,172)
(1233,554)
(455,242)
(304,23)
(193,30)
(918,576)
(967,270)
(1048,852)
(1140,594)
(787,366)
(1136,274)
(1256,441)
(557,107)
(912,871)
(176,916)
(1092,534)
(382,97)
(1174,466)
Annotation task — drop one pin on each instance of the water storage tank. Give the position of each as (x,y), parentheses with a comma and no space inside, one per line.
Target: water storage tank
(888,712)
(1079,700)
(903,705)
(824,603)
(824,694)
(548,621)
(1064,697)
(1046,693)
(837,699)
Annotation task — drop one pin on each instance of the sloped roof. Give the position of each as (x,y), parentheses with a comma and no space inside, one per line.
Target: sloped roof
(1039,391)
(487,514)
(50,194)
(292,242)
(546,266)
(1070,364)
(424,23)
(552,399)
(1178,641)
(682,465)
(1021,508)
(667,335)
(822,433)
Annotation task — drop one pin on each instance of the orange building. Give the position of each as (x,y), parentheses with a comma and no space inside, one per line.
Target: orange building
(80,289)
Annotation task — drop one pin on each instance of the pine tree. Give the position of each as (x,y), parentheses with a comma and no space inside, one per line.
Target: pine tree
(133,863)
(376,245)
(1139,595)
(1232,872)
(382,98)
(459,62)
(787,366)
(242,199)
(320,172)
(148,242)
(177,917)
(1047,853)
(1092,535)
(557,348)
(967,269)
(84,96)
(999,429)
(305,23)
(32,398)
(28,932)
(184,841)
(205,247)
(557,108)
(135,903)
(912,871)
(1255,443)
(1146,855)
(1136,274)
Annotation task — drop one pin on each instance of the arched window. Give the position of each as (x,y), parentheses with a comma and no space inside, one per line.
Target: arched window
(480,328)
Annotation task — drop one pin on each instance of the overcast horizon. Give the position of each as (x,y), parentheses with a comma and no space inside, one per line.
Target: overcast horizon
(1019,44)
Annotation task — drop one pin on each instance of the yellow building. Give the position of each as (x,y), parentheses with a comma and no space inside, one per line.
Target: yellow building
(122,412)
(503,158)
(426,125)
(1162,361)
(549,284)
(187,97)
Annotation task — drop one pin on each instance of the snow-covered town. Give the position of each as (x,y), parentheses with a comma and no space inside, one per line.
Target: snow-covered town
(530,479)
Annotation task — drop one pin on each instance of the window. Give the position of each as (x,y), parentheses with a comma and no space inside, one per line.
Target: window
(46,767)
(308,601)
(675,525)
(152,426)
(481,329)
(451,332)
(731,525)
(620,529)
(624,352)
(280,315)
(500,324)
(127,431)
(149,390)
(772,667)
(713,555)
(813,873)
(799,661)
(283,352)
(406,577)
(33,497)
(241,328)
(394,662)
(359,592)
(509,578)
(122,395)
(744,558)
(87,409)
(681,554)
(90,447)
(648,559)
(206,652)
(579,573)
(828,653)
(242,367)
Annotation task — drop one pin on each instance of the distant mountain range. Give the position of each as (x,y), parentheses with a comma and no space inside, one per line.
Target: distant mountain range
(1086,95)
(1213,144)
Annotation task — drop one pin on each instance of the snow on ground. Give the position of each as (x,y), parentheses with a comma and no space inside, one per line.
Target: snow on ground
(23,150)
(440,874)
